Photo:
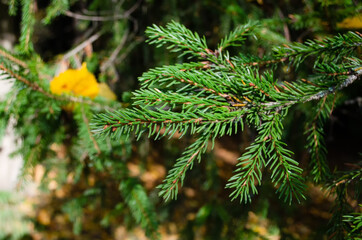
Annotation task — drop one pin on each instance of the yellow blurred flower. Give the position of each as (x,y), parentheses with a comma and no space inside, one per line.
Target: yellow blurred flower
(78,82)
(354,22)
(106,92)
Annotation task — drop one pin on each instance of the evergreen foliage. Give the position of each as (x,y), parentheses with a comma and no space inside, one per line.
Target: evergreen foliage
(9,205)
(253,80)
(216,93)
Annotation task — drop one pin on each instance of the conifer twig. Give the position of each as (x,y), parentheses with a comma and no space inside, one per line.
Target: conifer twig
(13,59)
(354,75)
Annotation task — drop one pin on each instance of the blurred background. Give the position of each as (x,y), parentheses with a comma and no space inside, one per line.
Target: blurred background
(66,194)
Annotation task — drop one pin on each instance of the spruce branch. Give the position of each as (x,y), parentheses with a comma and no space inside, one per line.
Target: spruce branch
(141,207)
(342,221)
(249,172)
(180,39)
(355,220)
(33,85)
(237,37)
(175,177)
(330,49)
(159,123)
(55,8)
(305,91)
(27,25)
(12,58)
(348,177)
(285,170)
(338,227)
(213,94)
(315,140)
(13,7)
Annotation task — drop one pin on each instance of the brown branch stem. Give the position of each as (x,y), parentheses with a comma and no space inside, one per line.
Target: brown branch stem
(321,94)
(13,59)
(115,17)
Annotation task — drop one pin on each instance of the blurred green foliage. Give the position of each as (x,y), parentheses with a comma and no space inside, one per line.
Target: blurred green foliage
(95,186)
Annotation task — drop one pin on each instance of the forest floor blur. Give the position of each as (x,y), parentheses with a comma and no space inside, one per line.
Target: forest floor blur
(40,213)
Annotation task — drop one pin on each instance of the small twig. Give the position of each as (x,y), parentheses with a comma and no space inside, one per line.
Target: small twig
(94,18)
(32,10)
(87,34)
(13,59)
(262,63)
(32,85)
(115,52)
(320,109)
(128,49)
(334,101)
(82,45)
(125,15)
(285,26)
(355,75)
(178,176)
